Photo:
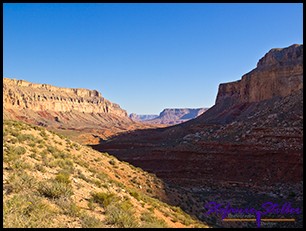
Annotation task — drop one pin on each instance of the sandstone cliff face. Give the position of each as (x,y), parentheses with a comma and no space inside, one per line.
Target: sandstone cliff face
(278,73)
(253,135)
(20,94)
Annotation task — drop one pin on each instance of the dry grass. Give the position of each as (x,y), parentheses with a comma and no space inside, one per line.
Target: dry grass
(45,185)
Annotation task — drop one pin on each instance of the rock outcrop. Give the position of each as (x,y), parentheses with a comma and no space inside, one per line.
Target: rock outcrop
(252,136)
(63,108)
(141,118)
(20,94)
(278,74)
(170,116)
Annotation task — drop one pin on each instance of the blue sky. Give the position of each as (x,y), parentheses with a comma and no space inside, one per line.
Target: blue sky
(145,57)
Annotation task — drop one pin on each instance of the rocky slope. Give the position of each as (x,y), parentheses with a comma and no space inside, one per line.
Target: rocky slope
(278,74)
(64,108)
(20,94)
(253,137)
(171,116)
(51,181)
(249,144)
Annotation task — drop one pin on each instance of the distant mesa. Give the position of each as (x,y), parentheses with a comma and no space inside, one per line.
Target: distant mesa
(136,117)
(170,116)
(59,107)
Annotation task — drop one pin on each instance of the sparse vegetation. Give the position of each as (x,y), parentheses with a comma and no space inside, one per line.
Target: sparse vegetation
(40,179)
(104,199)
(150,221)
(26,211)
(54,189)
(91,222)
(121,215)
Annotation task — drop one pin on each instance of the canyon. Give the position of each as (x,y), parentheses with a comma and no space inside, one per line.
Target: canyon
(249,143)
(170,116)
(256,122)
(248,146)
(85,112)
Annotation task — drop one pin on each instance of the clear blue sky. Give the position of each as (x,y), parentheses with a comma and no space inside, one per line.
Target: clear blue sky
(145,57)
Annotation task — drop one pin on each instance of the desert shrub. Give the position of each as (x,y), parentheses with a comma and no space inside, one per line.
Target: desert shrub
(102,176)
(91,204)
(52,150)
(32,144)
(134,181)
(21,181)
(91,222)
(40,168)
(93,170)
(40,145)
(75,146)
(135,194)
(121,215)
(63,177)
(174,219)
(68,206)
(43,134)
(61,155)
(54,189)
(18,150)
(65,164)
(26,211)
(98,159)
(150,221)
(13,141)
(97,182)
(25,137)
(21,164)
(33,155)
(83,177)
(104,199)
(34,150)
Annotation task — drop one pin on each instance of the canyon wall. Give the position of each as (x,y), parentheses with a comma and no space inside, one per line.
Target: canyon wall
(278,73)
(252,136)
(20,94)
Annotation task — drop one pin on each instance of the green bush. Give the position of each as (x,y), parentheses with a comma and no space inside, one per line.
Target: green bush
(52,150)
(13,153)
(18,150)
(103,199)
(150,221)
(26,211)
(54,189)
(65,164)
(121,215)
(63,177)
(43,134)
(25,137)
(112,162)
(40,168)
(21,164)
(21,181)
(68,206)
(91,222)
(135,195)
